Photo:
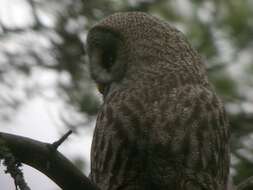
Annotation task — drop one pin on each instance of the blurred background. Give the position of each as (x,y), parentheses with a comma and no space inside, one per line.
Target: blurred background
(45,88)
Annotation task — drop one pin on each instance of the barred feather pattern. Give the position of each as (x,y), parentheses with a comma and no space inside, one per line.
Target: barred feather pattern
(163,127)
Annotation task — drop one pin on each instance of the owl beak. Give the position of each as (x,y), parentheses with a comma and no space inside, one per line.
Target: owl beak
(101,88)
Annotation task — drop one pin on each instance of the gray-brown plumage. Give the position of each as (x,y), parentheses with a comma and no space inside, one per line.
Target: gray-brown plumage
(161,125)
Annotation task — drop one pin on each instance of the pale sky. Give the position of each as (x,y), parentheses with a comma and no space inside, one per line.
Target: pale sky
(38,117)
(34,120)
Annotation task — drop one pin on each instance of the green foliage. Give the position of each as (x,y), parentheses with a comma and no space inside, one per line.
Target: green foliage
(202,38)
(89,104)
(224,84)
(236,19)
(244,169)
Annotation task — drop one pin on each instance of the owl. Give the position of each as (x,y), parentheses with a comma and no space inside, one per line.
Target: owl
(161,125)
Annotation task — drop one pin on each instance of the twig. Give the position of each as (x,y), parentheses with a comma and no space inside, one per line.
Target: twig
(56,144)
(246,183)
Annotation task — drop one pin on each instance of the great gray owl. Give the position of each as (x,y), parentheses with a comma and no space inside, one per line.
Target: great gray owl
(161,125)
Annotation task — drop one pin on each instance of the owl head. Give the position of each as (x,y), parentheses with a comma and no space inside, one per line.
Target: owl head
(137,47)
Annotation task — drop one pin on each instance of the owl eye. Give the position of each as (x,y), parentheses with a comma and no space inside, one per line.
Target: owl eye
(108,58)
(105,44)
(104,47)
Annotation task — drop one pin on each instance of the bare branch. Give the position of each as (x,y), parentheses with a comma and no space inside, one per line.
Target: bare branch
(56,144)
(53,164)
(245,184)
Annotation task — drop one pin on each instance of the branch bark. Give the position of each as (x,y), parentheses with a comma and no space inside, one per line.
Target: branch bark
(45,158)
(248,183)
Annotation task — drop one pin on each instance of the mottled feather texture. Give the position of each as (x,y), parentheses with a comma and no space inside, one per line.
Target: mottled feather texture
(161,125)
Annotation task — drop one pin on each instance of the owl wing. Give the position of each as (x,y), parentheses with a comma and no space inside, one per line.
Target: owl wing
(118,147)
(191,151)
(180,142)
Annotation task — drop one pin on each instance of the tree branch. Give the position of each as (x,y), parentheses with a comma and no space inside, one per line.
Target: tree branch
(53,164)
(245,184)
